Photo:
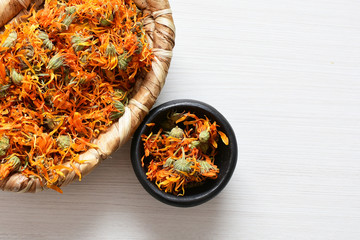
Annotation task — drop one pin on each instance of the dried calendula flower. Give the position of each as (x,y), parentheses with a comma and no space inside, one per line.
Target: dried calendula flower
(52,123)
(121,109)
(140,46)
(204,136)
(115,115)
(169,162)
(56,62)
(119,93)
(64,142)
(174,116)
(46,41)
(16,77)
(68,20)
(106,21)
(70,10)
(10,40)
(29,52)
(170,121)
(194,144)
(3,89)
(205,167)
(4,145)
(119,106)
(123,61)
(13,163)
(204,147)
(182,164)
(70,16)
(110,50)
(79,42)
(176,132)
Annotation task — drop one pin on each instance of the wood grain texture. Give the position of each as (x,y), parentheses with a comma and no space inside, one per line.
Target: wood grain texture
(286,75)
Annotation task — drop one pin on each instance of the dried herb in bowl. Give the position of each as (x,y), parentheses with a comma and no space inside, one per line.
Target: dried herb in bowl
(65,75)
(184,155)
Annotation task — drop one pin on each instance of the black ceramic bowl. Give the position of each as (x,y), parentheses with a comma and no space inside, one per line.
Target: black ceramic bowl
(225,159)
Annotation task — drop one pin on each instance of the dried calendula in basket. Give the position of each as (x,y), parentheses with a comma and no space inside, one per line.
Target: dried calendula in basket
(65,75)
(184,155)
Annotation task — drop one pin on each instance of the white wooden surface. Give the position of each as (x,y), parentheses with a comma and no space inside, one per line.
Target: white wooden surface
(286,74)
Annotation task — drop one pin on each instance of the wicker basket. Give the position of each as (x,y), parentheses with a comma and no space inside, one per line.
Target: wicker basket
(160,32)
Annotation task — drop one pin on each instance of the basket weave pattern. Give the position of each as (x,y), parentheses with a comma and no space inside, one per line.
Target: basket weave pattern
(160,33)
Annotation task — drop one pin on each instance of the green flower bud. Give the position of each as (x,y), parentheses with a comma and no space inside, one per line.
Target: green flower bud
(3,89)
(182,164)
(29,52)
(4,145)
(107,20)
(174,116)
(78,42)
(204,136)
(83,59)
(15,162)
(46,41)
(194,144)
(177,132)
(115,115)
(67,21)
(70,10)
(123,61)
(170,120)
(119,106)
(110,50)
(64,142)
(205,166)
(204,147)
(51,123)
(16,77)
(169,162)
(56,62)
(140,46)
(119,93)
(42,35)
(10,40)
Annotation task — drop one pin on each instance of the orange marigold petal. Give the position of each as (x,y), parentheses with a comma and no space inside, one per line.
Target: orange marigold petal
(224,138)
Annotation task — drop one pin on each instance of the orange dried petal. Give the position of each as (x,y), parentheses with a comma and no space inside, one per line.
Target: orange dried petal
(224,138)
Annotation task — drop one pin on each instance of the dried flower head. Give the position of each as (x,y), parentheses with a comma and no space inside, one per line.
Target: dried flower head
(204,136)
(123,61)
(64,142)
(176,132)
(46,41)
(182,164)
(106,21)
(79,42)
(10,40)
(194,144)
(169,162)
(11,164)
(56,62)
(16,77)
(4,145)
(205,167)
(4,89)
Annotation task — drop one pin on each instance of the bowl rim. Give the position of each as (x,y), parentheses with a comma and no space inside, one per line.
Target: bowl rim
(190,200)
